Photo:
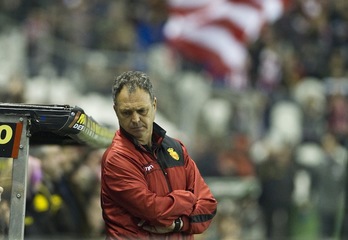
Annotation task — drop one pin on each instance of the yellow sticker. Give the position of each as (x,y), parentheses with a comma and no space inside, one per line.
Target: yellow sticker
(173,154)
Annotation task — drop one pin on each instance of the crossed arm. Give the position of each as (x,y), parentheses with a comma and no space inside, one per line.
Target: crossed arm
(163,214)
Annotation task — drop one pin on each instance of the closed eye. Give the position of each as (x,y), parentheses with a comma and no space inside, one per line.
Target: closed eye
(126,113)
(142,111)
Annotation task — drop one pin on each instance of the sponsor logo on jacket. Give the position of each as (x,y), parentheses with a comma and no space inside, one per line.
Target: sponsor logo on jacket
(149,168)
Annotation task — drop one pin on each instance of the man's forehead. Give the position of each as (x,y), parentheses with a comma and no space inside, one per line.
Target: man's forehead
(133,93)
(133,105)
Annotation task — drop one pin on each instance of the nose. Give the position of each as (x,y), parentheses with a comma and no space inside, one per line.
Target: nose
(135,117)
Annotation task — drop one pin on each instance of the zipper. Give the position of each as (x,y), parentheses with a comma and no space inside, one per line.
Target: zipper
(165,173)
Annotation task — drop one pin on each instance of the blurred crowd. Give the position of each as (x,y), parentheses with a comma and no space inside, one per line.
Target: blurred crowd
(287,131)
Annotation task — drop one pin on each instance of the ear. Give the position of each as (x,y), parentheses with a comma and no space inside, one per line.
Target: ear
(155,103)
(114,106)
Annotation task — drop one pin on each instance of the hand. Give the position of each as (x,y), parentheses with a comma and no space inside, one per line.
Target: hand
(158,229)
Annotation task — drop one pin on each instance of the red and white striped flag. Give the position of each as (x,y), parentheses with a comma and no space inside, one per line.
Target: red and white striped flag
(215,33)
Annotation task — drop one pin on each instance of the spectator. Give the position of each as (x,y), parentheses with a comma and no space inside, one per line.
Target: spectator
(48,212)
(329,185)
(276,174)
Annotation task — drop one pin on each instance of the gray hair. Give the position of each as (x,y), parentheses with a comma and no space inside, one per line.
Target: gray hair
(132,80)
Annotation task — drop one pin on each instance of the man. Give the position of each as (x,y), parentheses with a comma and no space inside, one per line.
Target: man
(151,188)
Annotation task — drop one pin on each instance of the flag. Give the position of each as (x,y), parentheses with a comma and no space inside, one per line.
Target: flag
(215,33)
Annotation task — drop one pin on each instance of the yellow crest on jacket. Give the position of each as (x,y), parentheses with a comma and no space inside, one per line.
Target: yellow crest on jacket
(173,154)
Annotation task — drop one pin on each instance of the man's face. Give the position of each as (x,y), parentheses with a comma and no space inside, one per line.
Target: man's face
(136,113)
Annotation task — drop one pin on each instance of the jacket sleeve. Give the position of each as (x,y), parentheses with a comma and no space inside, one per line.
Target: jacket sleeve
(126,185)
(205,208)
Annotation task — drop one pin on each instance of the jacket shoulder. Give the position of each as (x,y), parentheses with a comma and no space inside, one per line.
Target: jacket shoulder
(173,148)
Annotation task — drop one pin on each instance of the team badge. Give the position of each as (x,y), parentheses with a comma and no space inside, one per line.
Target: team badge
(173,154)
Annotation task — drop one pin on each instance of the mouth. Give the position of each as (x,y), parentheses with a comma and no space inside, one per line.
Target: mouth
(137,129)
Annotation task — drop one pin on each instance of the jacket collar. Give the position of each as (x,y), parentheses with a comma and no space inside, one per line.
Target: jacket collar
(158,135)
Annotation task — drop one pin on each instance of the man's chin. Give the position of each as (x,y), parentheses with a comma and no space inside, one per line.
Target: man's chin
(139,136)
(141,141)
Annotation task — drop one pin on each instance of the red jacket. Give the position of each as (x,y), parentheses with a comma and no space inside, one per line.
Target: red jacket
(157,185)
